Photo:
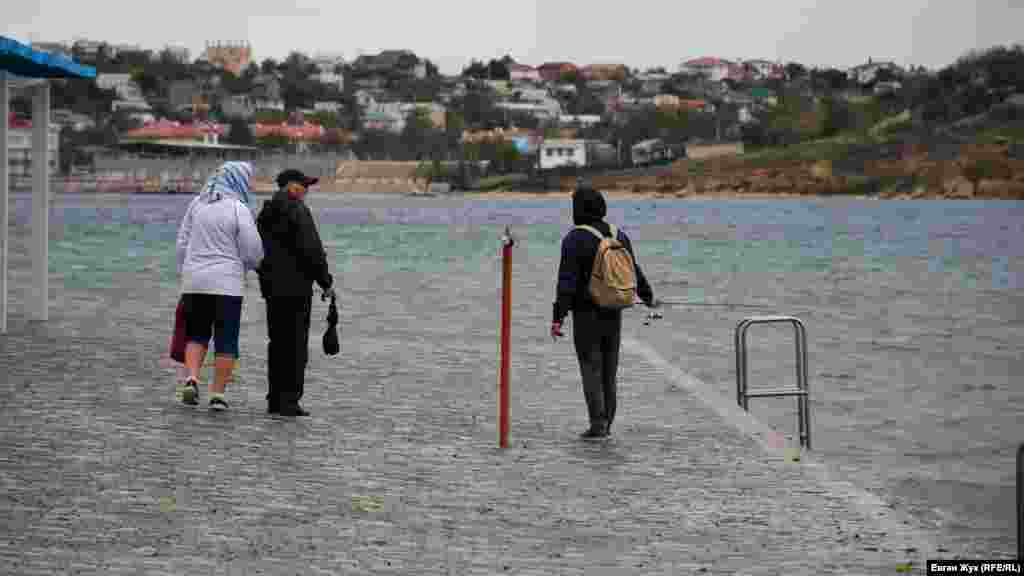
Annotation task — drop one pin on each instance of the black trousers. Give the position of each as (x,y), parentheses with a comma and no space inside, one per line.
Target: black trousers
(597,335)
(288,322)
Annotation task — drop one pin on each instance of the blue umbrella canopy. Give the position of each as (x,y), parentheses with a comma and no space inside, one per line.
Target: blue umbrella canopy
(21,60)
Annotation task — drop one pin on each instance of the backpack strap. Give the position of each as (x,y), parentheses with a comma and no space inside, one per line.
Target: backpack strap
(614,235)
(592,230)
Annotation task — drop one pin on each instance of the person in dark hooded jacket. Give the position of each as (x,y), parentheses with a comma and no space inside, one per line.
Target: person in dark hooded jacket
(294,259)
(596,330)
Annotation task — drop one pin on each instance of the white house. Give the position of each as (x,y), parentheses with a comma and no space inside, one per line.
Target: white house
(541,111)
(556,153)
(116,82)
(867,73)
(267,105)
(585,120)
(333,107)
(559,152)
(331,79)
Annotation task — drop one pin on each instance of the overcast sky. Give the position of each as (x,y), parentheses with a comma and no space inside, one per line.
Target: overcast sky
(639,33)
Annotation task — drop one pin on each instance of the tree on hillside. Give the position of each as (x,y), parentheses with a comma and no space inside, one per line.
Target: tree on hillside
(571,77)
(432,70)
(795,70)
(239,133)
(454,125)
(419,137)
(829,80)
(82,97)
(478,108)
(269,66)
(149,82)
(476,69)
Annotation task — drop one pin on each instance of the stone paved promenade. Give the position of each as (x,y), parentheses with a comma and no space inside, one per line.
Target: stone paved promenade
(397,472)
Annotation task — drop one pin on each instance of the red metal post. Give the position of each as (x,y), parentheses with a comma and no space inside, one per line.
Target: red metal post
(506,334)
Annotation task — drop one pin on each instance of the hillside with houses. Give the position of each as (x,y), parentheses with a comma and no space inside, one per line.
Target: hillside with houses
(397,106)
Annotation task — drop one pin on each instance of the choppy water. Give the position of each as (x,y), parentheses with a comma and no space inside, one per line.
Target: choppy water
(914,310)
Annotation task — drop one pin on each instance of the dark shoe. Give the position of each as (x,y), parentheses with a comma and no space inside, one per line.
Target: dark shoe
(294,411)
(595,433)
(273,409)
(218,404)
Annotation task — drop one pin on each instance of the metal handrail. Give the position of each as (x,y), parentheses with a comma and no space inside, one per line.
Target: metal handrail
(802,390)
(1020,503)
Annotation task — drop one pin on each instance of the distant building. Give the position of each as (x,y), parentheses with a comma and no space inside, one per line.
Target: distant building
(616,72)
(130,49)
(765,69)
(585,120)
(868,73)
(553,71)
(523,73)
(19,145)
(266,87)
(182,93)
(119,83)
(64,117)
(178,54)
(714,69)
(333,107)
(389,63)
(232,56)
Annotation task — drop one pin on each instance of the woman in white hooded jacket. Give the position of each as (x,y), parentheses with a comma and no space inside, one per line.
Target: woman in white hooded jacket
(217,244)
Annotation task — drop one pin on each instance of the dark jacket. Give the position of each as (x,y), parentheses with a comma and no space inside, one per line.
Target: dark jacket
(579,249)
(293,255)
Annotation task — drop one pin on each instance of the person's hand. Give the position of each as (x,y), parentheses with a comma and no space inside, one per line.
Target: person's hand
(556,331)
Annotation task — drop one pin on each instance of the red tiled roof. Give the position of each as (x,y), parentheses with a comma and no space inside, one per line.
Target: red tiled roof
(707,61)
(167,130)
(558,65)
(305,131)
(693,104)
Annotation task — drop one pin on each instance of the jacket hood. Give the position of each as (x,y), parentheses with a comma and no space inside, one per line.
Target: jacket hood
(588,206)
(231,180)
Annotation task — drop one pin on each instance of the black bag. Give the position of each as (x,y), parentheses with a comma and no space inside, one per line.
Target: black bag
(331,344)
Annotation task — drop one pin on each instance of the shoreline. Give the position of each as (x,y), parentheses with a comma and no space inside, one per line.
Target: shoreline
(623,194)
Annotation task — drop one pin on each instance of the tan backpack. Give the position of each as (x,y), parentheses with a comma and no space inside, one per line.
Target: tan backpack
(613,279)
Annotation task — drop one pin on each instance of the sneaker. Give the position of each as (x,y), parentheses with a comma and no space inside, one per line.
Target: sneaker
(595,433)
(189,392)
(218,404)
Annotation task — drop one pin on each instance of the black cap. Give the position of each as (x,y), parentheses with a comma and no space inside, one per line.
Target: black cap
(293,175)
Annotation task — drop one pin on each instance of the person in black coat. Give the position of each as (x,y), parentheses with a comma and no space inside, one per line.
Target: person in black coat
(294,259)
(596,330)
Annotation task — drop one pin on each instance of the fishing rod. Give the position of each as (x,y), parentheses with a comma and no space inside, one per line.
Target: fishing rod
(685,303)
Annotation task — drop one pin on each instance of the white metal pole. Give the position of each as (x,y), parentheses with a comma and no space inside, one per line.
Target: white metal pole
(40,199)
(5,181)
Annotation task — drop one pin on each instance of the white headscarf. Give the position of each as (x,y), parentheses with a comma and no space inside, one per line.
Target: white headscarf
(231,180)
